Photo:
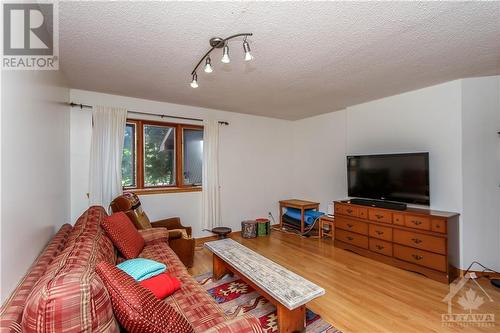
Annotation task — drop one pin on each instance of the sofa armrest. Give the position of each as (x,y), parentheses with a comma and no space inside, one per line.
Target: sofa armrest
(243,324)
(171,223)
(176,234)
(154,235)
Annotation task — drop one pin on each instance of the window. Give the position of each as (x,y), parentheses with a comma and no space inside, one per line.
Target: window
(162,157)
(192,155)
(128,157)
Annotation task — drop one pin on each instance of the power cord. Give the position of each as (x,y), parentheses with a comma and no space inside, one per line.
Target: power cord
(485,269)
(494,282)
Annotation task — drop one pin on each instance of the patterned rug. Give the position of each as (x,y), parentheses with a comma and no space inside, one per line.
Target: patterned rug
(236,298)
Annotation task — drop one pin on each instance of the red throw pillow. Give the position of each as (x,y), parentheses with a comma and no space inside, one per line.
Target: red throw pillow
(136,308)
(123,234)
(161,285)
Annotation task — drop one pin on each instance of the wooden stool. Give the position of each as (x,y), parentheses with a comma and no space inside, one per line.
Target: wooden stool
(326,221)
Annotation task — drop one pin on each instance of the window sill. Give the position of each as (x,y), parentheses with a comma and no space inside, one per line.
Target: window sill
(146,191)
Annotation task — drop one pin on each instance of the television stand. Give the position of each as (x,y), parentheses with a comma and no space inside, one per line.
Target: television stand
(419,240)
(379,203)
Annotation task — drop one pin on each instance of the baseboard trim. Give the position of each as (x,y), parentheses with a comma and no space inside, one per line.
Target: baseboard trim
(488,275)
(198,242)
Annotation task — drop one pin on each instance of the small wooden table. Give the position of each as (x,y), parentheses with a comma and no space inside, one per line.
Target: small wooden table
(288,291)
(329,221)
(303,205)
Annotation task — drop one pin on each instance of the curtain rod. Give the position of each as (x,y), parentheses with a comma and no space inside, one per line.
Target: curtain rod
(84,106)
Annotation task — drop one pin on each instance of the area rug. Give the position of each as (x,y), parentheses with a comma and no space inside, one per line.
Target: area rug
(237,298)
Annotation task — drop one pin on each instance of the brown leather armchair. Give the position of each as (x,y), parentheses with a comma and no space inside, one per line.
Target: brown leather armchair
(179,236)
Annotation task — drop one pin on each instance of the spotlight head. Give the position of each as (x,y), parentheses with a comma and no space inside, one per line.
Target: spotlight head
(225,55)
(246,48)
(194,83)
(208,66)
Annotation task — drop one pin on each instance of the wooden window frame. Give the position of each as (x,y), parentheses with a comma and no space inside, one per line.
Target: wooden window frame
(179,185)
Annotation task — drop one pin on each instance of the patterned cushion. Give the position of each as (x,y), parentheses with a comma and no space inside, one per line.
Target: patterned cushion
(142,269)
(124,235)
(161,252)
(155,235)
(12,310)
(136,308)
(70,297)
(161,285)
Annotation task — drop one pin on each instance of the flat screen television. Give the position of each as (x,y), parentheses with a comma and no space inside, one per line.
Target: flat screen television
(392,177)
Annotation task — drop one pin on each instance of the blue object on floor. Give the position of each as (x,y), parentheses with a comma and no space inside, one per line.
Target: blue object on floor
(309,215)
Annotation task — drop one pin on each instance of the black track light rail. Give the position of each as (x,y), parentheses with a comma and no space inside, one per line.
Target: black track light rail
(219,45)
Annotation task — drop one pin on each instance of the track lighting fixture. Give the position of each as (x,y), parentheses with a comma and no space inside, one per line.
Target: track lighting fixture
(208,66)
(225,55)
(194,83)
(246,49)
(220,43)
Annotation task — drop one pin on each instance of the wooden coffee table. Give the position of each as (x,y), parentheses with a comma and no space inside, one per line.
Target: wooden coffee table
(288,291)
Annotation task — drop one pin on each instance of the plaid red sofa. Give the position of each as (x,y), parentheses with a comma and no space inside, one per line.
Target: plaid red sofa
(62,293)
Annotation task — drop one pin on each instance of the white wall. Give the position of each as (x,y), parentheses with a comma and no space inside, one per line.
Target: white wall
(481,170)
(319,165)
(35,168)
(254,174)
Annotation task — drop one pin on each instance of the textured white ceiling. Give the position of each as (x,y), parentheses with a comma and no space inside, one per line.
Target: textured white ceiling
(310,57)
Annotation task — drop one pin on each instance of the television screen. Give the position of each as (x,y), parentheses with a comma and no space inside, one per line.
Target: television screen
(393,177)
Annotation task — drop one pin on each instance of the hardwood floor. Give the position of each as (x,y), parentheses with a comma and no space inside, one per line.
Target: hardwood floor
(364,295)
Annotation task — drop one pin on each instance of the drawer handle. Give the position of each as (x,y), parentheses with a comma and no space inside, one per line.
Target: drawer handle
(378,216)
(350,225)
(417,257)
(379,232)
(349,211)
(416,240)
(416,222)
(438,226)
(380,247)
(349,238)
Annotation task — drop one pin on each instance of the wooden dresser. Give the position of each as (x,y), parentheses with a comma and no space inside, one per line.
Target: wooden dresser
(419,240)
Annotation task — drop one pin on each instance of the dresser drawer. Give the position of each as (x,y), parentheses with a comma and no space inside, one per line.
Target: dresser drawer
(379,246)
(362,213)
(424,242)
(351,225)
(418,222)
(438,225)
(380,232)
(398,219)
(351,238)
(419,257)
(350,211)
(380,215)
(339,209)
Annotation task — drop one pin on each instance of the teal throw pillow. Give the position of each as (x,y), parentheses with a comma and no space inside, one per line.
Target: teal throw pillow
(142,269)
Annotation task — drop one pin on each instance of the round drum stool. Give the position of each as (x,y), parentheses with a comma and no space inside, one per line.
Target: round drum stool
(249,229)
(221,232)
(263,227)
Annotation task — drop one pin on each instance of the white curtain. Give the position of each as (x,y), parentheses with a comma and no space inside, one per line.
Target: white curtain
(211,193)
(108,132)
